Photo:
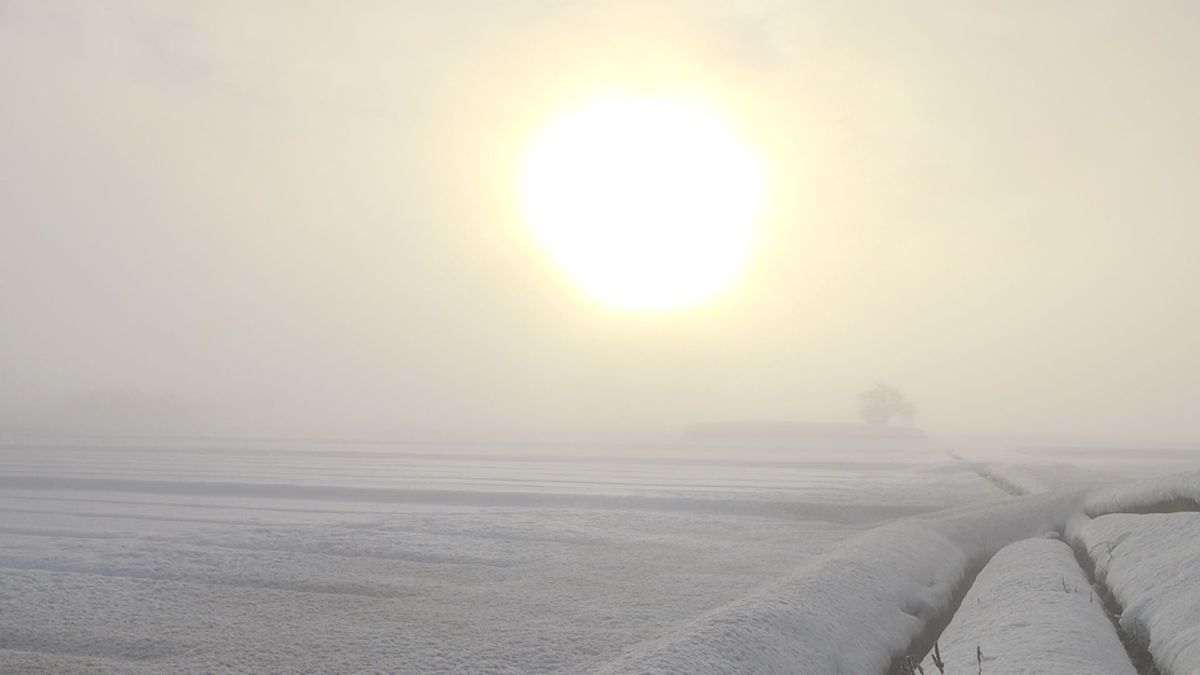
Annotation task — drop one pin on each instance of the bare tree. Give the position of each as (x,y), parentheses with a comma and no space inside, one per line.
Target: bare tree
(879,404)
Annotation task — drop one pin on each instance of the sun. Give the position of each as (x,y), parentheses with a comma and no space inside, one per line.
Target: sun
(646,203)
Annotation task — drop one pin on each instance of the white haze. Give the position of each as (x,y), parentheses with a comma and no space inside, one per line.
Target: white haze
(230,217)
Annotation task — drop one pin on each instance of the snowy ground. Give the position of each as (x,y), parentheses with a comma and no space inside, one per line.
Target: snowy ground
(685,557)
(1151,563)
(1032,610)
(300,557)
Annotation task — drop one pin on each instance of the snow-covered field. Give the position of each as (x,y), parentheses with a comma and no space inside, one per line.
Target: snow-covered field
(201,556)
(286,557)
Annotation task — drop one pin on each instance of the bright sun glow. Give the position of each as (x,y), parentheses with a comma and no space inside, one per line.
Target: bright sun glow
(646,203)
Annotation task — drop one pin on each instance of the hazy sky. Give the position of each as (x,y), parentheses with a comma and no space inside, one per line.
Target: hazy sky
(300,219)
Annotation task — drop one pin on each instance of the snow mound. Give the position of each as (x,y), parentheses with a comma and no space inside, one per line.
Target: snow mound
(847,612)
(856,608)
(1031,610)
(1181,489)
(1149,564)
(981,531)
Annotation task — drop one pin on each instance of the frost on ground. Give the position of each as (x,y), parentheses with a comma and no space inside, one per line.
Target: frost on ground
(1151,565)
(473,559)
(847,612)
(854,609)
(1173,492)
(1026,469)
(1031,610)
(176,558)
(1022,479)
(1021,471)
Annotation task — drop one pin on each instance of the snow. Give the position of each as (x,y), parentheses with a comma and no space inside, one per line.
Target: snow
(1117,462)
(981,530)
(194,558)
(1028,470)
(847,612)
(1149,563)
(1031,610)
(1025,467)
(1028,478)
(853,609)
(1149,494)
(694,557)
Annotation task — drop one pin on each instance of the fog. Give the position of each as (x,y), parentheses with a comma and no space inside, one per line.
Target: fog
(257,218)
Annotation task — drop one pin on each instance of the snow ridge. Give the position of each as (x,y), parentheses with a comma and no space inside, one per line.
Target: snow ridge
(1032,610)
(1149,564)
(847,612)
(854,610)
(1182,489)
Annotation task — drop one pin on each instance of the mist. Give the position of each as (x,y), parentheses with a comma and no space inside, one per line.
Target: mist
(232,218)
(550,336)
